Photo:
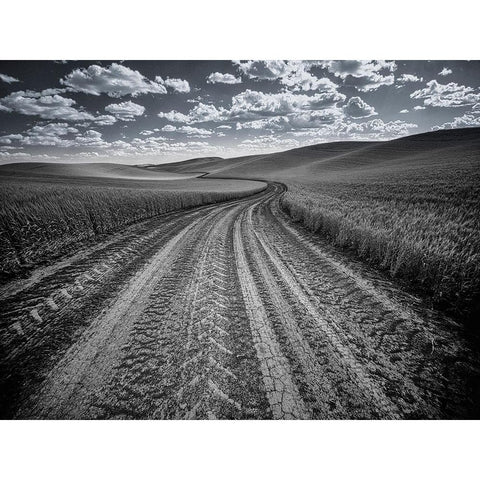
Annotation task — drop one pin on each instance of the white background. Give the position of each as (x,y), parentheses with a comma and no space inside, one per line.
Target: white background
(239,30)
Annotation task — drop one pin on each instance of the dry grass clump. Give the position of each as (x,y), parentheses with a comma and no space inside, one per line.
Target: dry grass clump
(40,220)
(419,224)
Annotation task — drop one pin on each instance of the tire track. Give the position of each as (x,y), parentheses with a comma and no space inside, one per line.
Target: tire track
(282,392)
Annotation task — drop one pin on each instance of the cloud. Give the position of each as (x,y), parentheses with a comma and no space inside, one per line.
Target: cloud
(53,135)
(103,120)
(252,104)
(268,143)
(125,111)
(272,123)
(8,139)
(300,79)
(176,84)
(8,78)
(116,81)
(364,75)
(50,107)
(169,128)
(187,130)
(403,111)
(377,128)
(450,95)
(206,113)
(408,78)
(49,135)
(357,108)
(445,71)
(218,77)
(200,113)
(315,118)
(225,127)
(263,69)
(294,74)
(174,116)
(91,138)
(469,119)
(419,107)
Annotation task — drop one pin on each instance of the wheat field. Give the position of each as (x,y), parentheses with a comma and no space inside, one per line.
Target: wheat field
(41,220)
(420,225)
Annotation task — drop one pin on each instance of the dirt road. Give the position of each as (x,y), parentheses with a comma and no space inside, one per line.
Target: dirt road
(226,311)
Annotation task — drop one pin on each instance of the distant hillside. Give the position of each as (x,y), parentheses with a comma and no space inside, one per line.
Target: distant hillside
(341,158)
(94,170)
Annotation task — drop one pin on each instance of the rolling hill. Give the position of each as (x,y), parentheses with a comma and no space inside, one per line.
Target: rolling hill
(92,170)
(306,163)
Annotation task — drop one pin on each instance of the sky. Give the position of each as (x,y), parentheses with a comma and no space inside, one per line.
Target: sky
(143,112)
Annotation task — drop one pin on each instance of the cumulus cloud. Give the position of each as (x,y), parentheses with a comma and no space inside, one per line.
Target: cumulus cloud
(8,78)
(377,128)
(315,118)
(300,79)
(445,71)
(49,135)
(50,107)
(263,69)
(272,123)
(200,113)
(103,120)
(357,108)
(419,107)
(405,78)
(218,77)
(250,103)
(294,74)
(56,135)
(168,128)
(194,132)
(125,111)
(268,143)
(188,130)
(176,84)
(469,119)
(174,116)
(298,120)
(447,95)
(91,138)
(404,111)
(364,75)
(8,139)
(254,105)
(115,81)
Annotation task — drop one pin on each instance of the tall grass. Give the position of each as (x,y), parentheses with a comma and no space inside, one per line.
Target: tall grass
(39,221)
(422,226)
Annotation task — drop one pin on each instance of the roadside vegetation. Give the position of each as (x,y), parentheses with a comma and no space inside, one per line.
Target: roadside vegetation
(41,220)
(420,223)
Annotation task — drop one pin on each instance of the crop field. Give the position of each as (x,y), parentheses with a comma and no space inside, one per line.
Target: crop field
(420,225)
(41,218)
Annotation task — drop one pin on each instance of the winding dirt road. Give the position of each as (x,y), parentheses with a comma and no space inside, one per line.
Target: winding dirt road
(228,311)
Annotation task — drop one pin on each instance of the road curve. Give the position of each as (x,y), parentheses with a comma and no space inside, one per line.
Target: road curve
(228,311)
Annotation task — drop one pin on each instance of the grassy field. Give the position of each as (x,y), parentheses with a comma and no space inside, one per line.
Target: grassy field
(410,207)
(44,216)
